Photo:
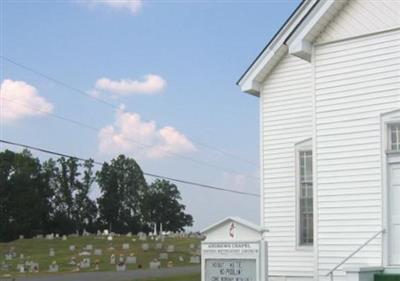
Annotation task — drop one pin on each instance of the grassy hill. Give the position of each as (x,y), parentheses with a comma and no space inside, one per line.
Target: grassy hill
(37,250)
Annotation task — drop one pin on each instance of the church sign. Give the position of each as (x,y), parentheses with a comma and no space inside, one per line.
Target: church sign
(234,251)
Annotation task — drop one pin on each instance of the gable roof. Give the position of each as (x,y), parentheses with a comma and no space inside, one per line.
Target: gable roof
(295,37)
(234,219)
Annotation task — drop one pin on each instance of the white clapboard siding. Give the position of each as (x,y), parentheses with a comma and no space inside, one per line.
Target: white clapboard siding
(286,119)
(352,89)
(360,17)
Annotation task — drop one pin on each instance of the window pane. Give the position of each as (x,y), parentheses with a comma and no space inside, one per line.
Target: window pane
(305,198)
(394,139)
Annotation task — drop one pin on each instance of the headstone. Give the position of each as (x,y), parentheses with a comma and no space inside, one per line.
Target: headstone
(8,256)
(72,247)
(52,253)
(85,233)
(97,265)
(130,259)
(64,238)
(181,259)
(21,268)
(163,256)
(171,248)
(39,236)
(21,237)
(121,259)
(125,246)
(89,247)
(192,246)
(154,264)
(57,235)
(50,236)
(33,267)
(158,246)
(85,253)
(195,259)
(21,256)
(98,252)
(98,232)
(145,247)
(112,259)
(4,266)
(85,263)
(109,238)
(121,267)
(142,236)
(129,234)
(105,232)
(53,267)
(170,264)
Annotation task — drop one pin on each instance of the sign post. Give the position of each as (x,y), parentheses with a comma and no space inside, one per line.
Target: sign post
(234,250)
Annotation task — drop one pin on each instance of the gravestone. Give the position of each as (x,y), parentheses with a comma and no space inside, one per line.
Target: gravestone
(98,252)
(53,267)
(21,256)
(72,247)
(57,235)
(52,253)
(97,265)
(8,256)
(171,248)
(181,259)
(89,247)
(163,256)
(142,236)
(130,259)
(121,267)
(4,266)
(158,246)
(170,264)
(112,259)
(85,263)
(109,238)
(129,234)
(194,259)
(191,246)
(125,246)
(50,236)
(64,238)
(21,237)
(121,259)
(84,253)
(155,264)
(21,268)
(234,249)
(33,267)
(145,247)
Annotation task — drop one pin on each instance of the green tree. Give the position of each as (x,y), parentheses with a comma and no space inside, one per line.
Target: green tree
(67,182)
(85,209)
(24,202)
(162,205)
(122,185)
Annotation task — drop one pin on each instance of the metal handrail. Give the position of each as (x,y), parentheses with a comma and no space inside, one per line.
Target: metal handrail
(330,273)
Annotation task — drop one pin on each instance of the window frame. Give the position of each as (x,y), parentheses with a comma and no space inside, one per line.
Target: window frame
(303,146)
(389,143)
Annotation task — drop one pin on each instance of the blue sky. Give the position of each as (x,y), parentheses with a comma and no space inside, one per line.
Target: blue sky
(194,51)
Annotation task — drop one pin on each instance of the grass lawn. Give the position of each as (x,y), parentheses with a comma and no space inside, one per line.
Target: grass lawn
(193,277)
(38,250)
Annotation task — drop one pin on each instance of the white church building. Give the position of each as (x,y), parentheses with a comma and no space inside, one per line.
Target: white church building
(329,90)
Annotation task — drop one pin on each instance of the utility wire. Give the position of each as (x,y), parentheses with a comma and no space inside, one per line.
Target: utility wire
(145,173)
(86,126)
(109,104)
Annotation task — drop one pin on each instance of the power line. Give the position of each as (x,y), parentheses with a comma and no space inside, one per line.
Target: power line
(95,129)
(109,104)
(145,173)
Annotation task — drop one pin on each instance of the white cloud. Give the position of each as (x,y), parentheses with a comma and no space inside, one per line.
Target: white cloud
(151,84)
(131,135)
(20,100)
(133,6)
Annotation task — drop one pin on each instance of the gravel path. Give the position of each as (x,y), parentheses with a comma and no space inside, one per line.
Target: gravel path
(115,276)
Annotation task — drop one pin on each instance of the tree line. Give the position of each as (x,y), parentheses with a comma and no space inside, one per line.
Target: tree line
(53,197)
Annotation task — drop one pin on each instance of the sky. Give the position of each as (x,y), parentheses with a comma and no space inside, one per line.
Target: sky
(155,80)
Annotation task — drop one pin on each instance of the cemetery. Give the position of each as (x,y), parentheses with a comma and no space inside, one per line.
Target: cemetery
(56,254)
